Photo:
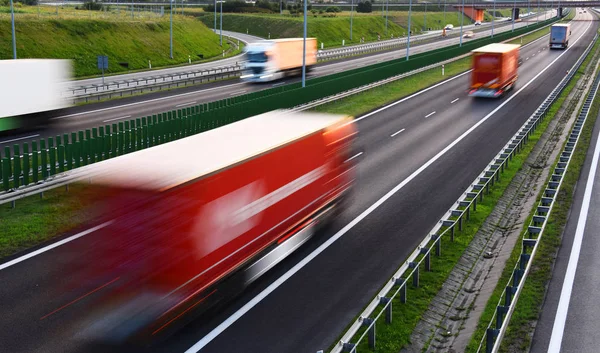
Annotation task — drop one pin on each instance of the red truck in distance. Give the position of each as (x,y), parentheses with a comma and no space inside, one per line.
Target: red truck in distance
(495,70)
(196,217)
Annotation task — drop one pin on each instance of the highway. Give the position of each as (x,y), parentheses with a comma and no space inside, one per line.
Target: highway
(419,155)
(93,115)
(570,314)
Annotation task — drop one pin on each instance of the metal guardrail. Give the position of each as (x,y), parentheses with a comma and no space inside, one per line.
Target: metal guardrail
(533,235)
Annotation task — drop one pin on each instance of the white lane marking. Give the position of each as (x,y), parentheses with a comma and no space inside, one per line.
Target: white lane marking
(278,84)
(52,246)
(565,294)
(184,104)
(396,133)
(533,55)
(411,96)
(526,59)
(351,158)
(146,101)
(237,92)
(454,101)
(265,292)
(19,138)
(123,117)
(430,114)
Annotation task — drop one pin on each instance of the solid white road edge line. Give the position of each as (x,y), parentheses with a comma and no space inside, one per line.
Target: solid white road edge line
(52,246)
(565,294)
(257,299)
(19,138)
(123,117)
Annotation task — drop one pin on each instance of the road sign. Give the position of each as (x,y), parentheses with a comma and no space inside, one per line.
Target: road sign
(102,65)
(102,62)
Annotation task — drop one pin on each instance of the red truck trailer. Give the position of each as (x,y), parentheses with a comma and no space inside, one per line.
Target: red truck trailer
(193,214)
(495,70)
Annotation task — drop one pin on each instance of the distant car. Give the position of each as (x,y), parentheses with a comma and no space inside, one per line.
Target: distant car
(468,34)
(477,23)
(449,27)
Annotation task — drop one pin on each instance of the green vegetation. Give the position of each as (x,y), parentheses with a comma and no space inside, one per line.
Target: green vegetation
(522,324)
(36,220)
(332,29)
(119,37)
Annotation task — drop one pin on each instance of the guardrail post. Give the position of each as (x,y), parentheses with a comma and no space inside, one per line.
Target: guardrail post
(489,339)
(371,335)
(26,163)
(415,265)
(475,204)
(427,254)
(523,261)
(438,244)
(460,222)
(388,309)
(500,311)
(16,167)
(402,283)
(517,275)
(508,293)
(348,347)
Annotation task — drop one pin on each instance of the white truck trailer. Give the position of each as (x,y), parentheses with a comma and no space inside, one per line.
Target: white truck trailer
(559,35)
(270,60)
(32,90)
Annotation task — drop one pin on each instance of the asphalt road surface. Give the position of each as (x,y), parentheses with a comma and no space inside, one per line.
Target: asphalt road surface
(571,315)
(419,155)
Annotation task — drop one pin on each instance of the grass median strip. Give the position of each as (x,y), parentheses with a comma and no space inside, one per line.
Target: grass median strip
(522,325)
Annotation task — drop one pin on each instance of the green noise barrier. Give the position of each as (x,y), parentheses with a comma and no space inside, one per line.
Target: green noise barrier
(31,163)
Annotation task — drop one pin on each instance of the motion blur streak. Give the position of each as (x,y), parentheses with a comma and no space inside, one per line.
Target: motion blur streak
(78,299)
(188,309)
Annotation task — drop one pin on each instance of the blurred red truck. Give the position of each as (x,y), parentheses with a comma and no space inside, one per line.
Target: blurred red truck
(193,214)
(495,70)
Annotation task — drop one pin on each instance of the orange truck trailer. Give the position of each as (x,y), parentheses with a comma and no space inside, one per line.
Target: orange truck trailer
(270,60)
(194,218)
(495,70)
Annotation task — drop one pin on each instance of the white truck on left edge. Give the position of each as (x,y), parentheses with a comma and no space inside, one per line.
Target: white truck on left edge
(32,90)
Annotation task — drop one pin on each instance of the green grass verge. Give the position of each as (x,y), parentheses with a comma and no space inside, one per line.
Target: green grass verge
(135,42)
(531,298)
(332,30)
(36,220)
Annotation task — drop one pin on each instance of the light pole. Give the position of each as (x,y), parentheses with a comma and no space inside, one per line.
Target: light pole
(408,38)
(351,15)
(462,20)
(12,24)
(215,16)
(171,31)
(304,50)
(387,11)
(514,15)
(537,15)
(444,23)
(425,19)
(493,17)
(221,25)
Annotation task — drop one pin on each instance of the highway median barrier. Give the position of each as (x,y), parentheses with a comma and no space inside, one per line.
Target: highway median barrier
(20,168)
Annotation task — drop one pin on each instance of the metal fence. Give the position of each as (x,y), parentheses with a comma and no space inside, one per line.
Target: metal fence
(30,163)
(532,236)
